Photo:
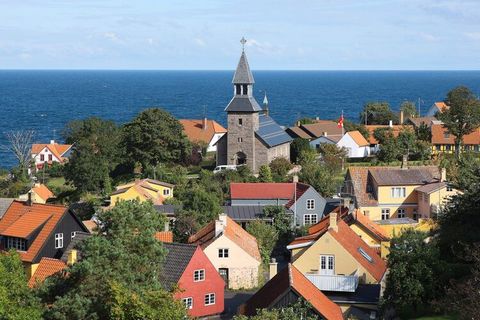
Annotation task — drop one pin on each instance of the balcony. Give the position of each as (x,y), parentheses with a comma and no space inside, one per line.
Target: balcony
(334,282)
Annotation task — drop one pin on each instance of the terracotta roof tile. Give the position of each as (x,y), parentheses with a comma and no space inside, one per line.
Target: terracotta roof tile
(442,105)
(46,268)
(301,189)
(26,224)
(164,236)
(193,129)
(374,228)
(56,149)
(91,225)
(439,132)
(358,138)
(396,129)
(262,190)
(43,192)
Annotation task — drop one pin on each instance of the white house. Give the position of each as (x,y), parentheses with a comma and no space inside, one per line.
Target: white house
(435,108)
(49,153)
(203,130)
(355,143)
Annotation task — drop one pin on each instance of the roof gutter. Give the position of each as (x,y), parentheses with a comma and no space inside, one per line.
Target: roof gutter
(300,245)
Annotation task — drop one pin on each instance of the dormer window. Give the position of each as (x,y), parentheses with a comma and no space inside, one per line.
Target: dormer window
(238,89)
(245,89)
(16,243)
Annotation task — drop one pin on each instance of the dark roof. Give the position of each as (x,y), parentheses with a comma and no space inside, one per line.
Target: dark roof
(243,75)
(388,176)
(432,187)
(419,120)
(243,104)
(271,133)
(247,212)
(298,132)
(167,209)
(331,204)
(79,237)
(176,261)
(365,293)
(4,204)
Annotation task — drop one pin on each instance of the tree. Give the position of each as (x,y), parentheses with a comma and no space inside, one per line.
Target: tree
(377,113)
(96,152)
(463,115)
(333,157)
(282,222)
(424,133)
(154,137)
(300,310)
(17,301)
(20,144)
(296,147)
(266,236)
(305,120)
(265,174)
(409,109)
(120,274)
(352,126)
(319,177)
(280,168)
(388,144)
(413,280)
(307,157)
(406,142)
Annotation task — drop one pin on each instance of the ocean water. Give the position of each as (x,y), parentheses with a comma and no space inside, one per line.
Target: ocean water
(46,100)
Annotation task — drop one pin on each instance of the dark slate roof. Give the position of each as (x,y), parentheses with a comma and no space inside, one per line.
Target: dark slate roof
(243,104)
(331,205)
(431,187)
(387,176)
(176,261)
(167,209)
(243,75)
(247,212)
(4,204)
(365,293)
(271,133)
(79,237)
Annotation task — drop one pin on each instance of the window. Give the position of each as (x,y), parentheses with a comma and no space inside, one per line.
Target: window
(240,139)
(365,255)
(245,89)
(166,192)
(448,147)
(310,204)
(58,240)
(398,192)
(240,121)
(310,219)
(209,299)
(50,157)
(188,302)
(16,243)
(446,135)
(327,264)
(401,213)
(73,234)
(199,275)
(385,214)
(366,213)
(42,157)
(223,253)
(238,89)
(438,147)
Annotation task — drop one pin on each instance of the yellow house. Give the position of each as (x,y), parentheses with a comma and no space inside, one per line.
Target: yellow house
(143,190)
(383,193)
(39,194)
(395,227)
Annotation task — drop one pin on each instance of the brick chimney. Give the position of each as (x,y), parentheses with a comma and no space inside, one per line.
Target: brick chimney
(272,270)
(204,123)
(333,222)
(29,200)
(220,224)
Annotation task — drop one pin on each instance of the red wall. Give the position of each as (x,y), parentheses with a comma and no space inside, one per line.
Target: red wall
(213,283)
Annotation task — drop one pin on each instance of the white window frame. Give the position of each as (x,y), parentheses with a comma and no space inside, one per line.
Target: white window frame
(223,253)
(401,213)
(58,240)
(310,218)
(188,302)
(398,192)
(327,264)
(199,275)
(385,214)
(17,243)
(310,204)
(209,299)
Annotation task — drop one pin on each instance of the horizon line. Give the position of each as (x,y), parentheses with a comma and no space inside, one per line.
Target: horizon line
(275,70)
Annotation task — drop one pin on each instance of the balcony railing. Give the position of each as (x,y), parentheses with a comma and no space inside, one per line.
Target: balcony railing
(334,282)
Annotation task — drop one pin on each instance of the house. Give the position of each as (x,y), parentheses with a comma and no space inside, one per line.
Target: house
(37,231)
(4,204)
(359,305)
(317,129)
(383,193)
(307,205)
(49,153)
(47,267)
(243,214)
(284,289)
(253,138)
(396,129)
(338,260)
(232,250)
(444,142)
(204,131)
(143,190)
(418,121)
(355,143)
(436,108)
(395,227)
(39,194)
(200,286)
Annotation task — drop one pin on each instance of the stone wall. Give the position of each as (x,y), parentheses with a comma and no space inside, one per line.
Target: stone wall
(241,137)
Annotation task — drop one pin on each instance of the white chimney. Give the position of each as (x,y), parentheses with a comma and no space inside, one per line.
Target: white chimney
(401,117)
(317,118)
(444,175)
(390,123)
(204,123)
(333,221)
(52,141)
(220,224)
(325,133)
(273,267)
(295,178)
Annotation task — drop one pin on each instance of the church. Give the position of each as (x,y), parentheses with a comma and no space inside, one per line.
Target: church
(253,138)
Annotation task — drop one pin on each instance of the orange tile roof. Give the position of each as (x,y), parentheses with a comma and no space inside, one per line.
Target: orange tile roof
(57,149)
(19,209)
(358,138)
(262,190)
(395,128)
(193,129)
(26,224)
(43,192)
(442,106)
(46,268)
(205,236)
(371,226)
(91,225)
(290,278)
(164,236)
(439,131)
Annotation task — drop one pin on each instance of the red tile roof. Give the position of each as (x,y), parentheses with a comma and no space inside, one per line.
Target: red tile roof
(439,131)
(46,216)
(164,236)
(205,236)
(442,106)
(396,129)
(46,268)
(43,192)
(374,229)
(290,278)
(301,189)
(358,138)
(58,150)
(262,190)
(194,130)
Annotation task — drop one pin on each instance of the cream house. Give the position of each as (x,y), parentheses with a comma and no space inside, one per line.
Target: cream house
(232,250)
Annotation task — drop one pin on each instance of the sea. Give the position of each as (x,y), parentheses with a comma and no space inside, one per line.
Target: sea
(46,100)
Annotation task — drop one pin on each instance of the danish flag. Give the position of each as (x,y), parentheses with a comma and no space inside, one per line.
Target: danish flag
(340,121)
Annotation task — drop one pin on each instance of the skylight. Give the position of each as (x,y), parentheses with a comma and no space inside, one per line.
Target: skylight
(365,255)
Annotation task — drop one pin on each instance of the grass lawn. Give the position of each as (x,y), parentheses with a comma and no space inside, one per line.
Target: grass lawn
(56,182)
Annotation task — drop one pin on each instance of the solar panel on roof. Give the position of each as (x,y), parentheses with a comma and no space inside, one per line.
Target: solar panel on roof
(271,133)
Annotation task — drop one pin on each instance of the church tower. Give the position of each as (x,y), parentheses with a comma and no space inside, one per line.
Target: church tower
(243,116)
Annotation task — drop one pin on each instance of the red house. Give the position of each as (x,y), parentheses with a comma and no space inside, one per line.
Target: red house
(201,287)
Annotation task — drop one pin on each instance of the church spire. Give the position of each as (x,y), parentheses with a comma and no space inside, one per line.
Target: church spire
(243,75)
(265,104)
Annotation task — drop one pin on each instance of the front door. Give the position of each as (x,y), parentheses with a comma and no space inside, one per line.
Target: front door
(327,265)
(224,274)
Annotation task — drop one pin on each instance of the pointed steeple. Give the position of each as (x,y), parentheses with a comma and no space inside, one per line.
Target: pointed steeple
(243,75)
(265,100)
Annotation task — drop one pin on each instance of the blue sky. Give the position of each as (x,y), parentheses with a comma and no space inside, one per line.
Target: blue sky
(205,34)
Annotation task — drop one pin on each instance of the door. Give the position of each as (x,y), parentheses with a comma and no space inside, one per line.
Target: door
(327,265)
(224,274)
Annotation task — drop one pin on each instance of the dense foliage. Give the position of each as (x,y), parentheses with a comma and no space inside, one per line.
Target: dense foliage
(296,147)
(377,113)
(300,310)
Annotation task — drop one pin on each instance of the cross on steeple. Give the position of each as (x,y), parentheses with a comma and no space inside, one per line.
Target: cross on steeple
(243,41)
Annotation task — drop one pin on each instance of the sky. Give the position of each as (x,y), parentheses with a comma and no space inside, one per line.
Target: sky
(205,34)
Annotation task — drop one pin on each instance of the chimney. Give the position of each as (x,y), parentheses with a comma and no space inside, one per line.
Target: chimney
(317,118)
(295,178)
(401,116)
(298,123)
(204,123)
(273,266)
(52,141)
(390,123)
(72,257)
(404,161)
(333,221)
(444,175)
(29,200)
(166,226)
(325,133)
(220,224)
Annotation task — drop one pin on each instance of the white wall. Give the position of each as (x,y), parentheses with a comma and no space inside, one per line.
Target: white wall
(354,151)
(46,152)
(211,147)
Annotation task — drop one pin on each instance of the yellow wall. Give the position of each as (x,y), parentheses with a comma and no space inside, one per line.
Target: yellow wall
(360,231)
(375,213)
(345,264)
(132,194)
(384,195)
(30,268)
(437,198)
